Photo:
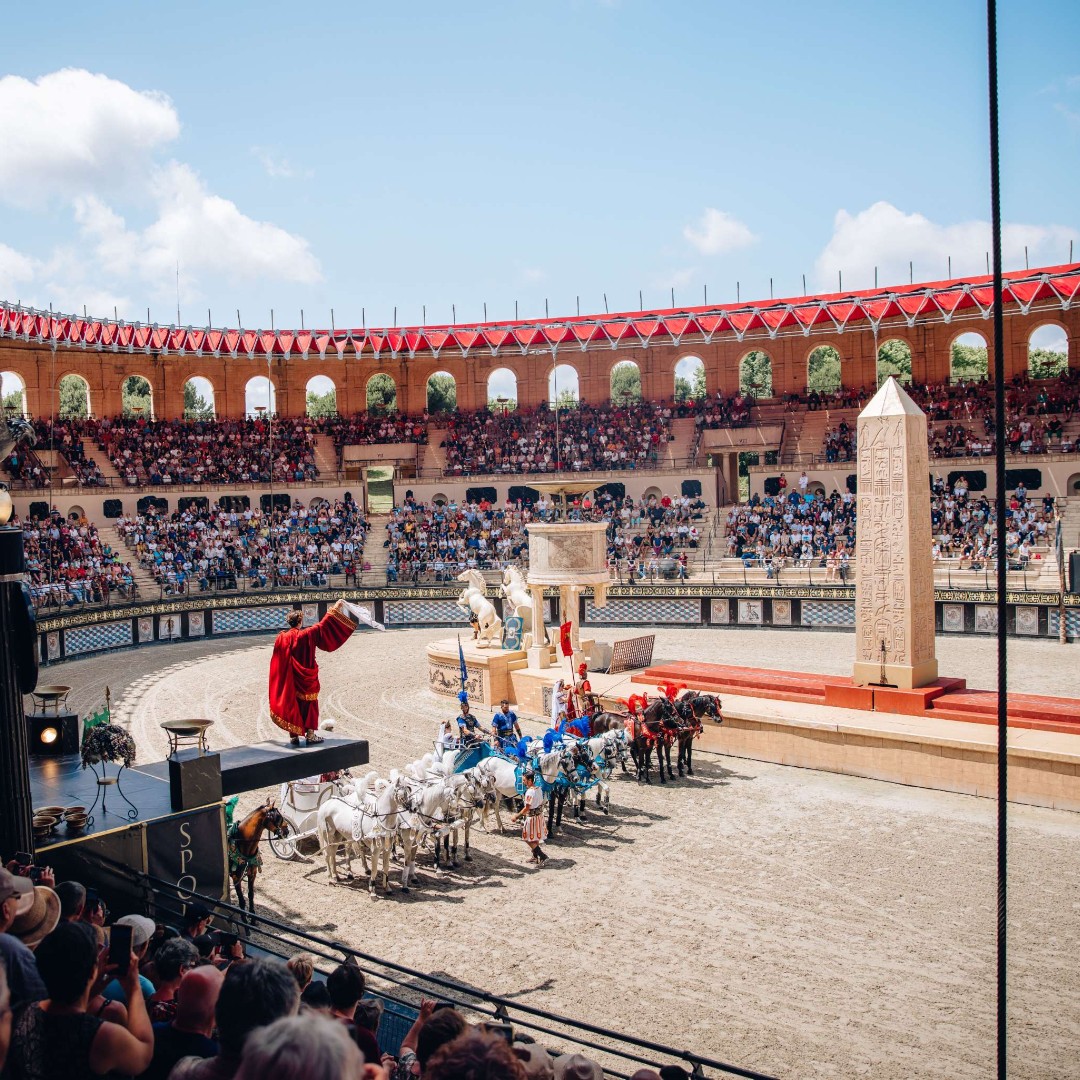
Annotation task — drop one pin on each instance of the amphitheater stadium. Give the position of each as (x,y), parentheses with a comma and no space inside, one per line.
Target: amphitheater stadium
(777,913)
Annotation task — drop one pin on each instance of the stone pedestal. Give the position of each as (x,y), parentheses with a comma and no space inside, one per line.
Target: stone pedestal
(894,580)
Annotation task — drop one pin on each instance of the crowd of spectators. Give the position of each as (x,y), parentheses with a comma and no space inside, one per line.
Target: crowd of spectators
(185,1002)
(723,411)
(67,563)
(588,437)
(204,548)
(368,429)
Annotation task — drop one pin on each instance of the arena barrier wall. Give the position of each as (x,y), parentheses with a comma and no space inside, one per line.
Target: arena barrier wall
(83,631)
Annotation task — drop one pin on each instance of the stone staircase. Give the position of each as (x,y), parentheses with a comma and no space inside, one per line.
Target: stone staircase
(374,552)
(682,443)
(110,534)
(326,456)
(431,460)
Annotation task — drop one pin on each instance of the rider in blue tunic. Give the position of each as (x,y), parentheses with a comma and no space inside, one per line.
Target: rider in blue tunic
(504,725)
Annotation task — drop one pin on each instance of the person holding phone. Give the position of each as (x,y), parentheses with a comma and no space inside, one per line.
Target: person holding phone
(57,1039)
(135,932)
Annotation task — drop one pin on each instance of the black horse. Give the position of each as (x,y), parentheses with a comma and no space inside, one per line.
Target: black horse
(704,705)
(689,729)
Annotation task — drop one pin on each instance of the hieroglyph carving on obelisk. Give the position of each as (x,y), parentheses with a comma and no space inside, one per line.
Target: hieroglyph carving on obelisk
(894,576)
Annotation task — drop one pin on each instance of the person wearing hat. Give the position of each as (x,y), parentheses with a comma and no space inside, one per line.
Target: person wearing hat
(534,829)
(142,930)
(24,982)
(197,919)
(468,726)
(38,918)
(577,1067)
(537,1061)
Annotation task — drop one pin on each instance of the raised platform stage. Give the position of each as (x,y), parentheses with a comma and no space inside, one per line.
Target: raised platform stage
(940,736)
(187,848)
(945,699)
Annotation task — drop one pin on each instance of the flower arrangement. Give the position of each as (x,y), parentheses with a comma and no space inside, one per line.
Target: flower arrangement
(108,742)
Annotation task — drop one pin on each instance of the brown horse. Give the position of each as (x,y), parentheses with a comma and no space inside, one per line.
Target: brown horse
(244,857)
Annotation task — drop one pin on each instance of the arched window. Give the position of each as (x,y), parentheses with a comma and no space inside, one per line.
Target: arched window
(625,383)
(198,399)
(894,358)
(381,393)
(690,379)
(137,398)
(321,397)
(74,398)
(441,393)
(1048,353)
(563,387)
(13,390)
(755,374)
(502,390)
(823,370)
(260,396)
(968,358)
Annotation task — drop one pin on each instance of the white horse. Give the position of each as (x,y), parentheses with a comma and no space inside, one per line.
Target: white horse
(517,596)
(474,599)
(439,807)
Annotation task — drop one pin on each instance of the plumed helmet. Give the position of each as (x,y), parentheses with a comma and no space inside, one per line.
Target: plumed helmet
(463,697)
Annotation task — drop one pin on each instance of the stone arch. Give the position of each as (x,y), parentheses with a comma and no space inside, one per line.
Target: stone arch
(13,391)
(823,370)
(894,358)
(1072,485)
(652,493)
(380,393)
(968,357)
(137,397)
(73,394)
(75,513)
(199,401)
(502,390)
(564,384)
(1048,351)
(439,499)
(755,374)
(690,379)
(624,383)
(320,397)
(441,391)
(316,501)
(260,396)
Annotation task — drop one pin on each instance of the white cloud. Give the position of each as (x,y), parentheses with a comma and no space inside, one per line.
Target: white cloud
(280,168)
(718,232)
(73,131)
(885,237)
(93,144)
(532,275)
(675,279)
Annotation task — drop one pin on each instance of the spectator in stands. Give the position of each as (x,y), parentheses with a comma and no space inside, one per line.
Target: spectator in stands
(190,1032)
(172,959)
(478,1055)
(252,995)
(577,1067)
(142,930)
(72,897)
(302,965)
(346,986)
(24,982)
(316,998)
(197,920)
(432,1028)
(56,1039)
(304,1048)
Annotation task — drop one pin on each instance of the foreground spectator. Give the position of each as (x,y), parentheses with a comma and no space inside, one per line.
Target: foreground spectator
(477,1055)
(172,959)
(302,965)
(190,1033)
(346,986)
(24,983)
(303,1048)
(142,930)
(56,1039)
(252,995)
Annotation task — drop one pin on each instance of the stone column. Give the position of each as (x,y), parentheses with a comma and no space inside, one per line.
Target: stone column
(538,652)
(894,580)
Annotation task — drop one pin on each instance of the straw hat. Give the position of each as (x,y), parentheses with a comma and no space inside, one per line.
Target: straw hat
(40,919)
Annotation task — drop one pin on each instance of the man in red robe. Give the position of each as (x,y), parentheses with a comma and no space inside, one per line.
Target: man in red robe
(294,670)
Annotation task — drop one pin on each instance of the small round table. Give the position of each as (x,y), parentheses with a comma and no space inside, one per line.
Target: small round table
(186,733)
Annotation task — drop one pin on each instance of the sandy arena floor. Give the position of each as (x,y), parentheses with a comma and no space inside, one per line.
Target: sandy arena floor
(800,923)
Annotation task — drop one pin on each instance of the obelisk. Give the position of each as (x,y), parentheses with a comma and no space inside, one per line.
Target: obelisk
(894,575)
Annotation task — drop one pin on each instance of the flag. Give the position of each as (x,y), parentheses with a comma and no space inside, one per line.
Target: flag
(461,661)
(564,640)
(94,720)
(362,615)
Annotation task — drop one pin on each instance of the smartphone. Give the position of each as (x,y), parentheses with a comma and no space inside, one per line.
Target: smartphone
(34,873)
(504,1031)
(226,941)
(120,946)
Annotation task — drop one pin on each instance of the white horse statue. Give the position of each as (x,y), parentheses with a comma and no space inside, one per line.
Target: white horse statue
(474,599)
(517,596)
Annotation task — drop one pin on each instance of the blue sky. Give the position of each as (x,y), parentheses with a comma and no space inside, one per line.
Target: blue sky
(358,157)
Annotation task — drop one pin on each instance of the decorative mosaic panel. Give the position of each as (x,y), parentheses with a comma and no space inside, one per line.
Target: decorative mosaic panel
(240,620)
(196,623)
(169,627)
(52,644)
(432,612)
(446,679)
(146,629)
(952,618)
(750,612)
(646,612)
(781,613)
(719,612)
(1072,622)
(85,639)
(311,613)
(986,620)
(826,613)
(1027,619)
